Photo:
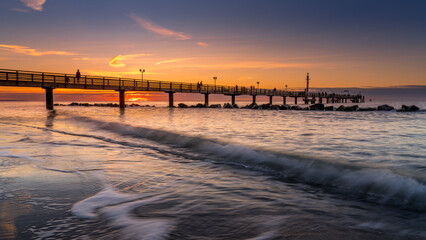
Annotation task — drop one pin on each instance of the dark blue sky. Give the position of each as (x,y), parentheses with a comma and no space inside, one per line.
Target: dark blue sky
(377,43)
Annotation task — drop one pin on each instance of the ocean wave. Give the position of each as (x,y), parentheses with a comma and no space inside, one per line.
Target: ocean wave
(378,185)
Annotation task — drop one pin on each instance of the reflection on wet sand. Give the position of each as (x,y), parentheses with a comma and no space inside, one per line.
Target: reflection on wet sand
(10,210)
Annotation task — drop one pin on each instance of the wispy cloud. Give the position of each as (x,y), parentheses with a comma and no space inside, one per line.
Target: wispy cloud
(118,60)
(202,44)
(162,31)
(36,5)
(132,74)
(33,52)
(170,61)
(248,65)
(20,10)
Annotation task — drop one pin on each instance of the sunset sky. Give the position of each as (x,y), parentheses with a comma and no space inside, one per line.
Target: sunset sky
(341,43)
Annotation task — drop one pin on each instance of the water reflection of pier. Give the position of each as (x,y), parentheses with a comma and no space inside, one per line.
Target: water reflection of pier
(50,81)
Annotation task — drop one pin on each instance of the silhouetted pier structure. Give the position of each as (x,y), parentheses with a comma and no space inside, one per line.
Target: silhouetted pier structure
(50,81)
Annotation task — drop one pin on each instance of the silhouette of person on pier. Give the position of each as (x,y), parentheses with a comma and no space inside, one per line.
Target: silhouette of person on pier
(78,75)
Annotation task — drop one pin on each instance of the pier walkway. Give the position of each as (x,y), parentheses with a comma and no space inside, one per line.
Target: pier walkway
(50,81)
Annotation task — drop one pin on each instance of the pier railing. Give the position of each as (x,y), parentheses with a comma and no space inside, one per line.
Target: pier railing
(10,77)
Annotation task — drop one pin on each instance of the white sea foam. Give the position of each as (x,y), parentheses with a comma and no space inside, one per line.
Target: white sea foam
(87,208)
(137,228)
(116,207)
(379,185)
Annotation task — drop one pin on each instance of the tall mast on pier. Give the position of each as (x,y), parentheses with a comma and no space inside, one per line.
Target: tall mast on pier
(307,83)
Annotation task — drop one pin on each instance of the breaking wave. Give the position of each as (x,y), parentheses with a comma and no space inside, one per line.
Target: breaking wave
(377,185)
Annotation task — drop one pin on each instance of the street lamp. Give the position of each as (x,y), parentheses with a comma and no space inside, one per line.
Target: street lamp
(286,88)
(215,78)
(142,71)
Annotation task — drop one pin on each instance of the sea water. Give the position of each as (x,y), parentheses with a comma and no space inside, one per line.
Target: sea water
(160,173)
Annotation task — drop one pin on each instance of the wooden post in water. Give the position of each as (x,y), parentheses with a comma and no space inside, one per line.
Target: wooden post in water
(254,99)
(295,100)
(206,99)
(270,99)
(284,100)
(171,103)
(122,98)
(49,98)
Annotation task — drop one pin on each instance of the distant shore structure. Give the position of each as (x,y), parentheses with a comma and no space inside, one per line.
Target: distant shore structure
(50,81)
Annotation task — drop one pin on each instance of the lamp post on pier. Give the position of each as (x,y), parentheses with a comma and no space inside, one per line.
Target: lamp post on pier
(257,86)
(142,71)
(215,78)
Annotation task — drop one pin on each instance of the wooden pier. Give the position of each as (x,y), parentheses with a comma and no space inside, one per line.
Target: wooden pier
(50,81)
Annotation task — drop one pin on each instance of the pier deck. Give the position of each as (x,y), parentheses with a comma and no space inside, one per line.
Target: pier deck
(50,81)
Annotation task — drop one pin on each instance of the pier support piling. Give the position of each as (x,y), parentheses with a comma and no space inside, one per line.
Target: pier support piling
(270,99)
(295,100)
(284,100)
(254,99)
(122,98)
(49,98)
(171,103)
(233,99)
(206,99)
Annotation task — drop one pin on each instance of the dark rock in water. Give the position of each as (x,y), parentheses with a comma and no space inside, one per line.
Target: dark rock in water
(227,105)
(385,108)
(182,105)
(235,106)
(296,107)
(285,107)
(369,109)
(134,105)
(351,108)
(306,108)
(411,108)
(215,106)
(84,104)
(317,107)
(341,108)
(330,108)
(73,104)
(274,107)
(252,106)
(265,106)
(200,105)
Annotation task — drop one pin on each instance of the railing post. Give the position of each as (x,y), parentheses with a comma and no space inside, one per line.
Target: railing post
(134,84)
(103,82)
(85,81)
(190,87)
(42,78)
(147,84)
(32,77)
(7,76)
(54,79)
(171,85)
(181,87)
(92,81)
(159,86)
